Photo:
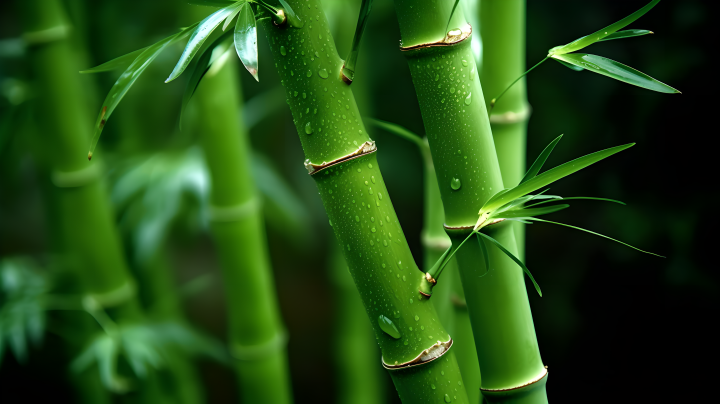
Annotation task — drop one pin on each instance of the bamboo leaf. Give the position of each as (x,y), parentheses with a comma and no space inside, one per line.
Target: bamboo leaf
(484,252)
(579,197)
(246,39)
(628,33)
(569,66)
(549,177)
(618,71)
(198,37)
(437,268)
(292,18)
(398,130)
(117,63)
(514,258)
(532,212)
(603,33)
(597,234)
(206,60)
(128,78)
(235,10)
(542,158)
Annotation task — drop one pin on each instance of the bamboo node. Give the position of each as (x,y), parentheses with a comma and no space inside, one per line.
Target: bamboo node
(511,117)
(77,178)
(52,34)
(453,37)
(433,352)
(531,382)
(365,148)
(235,212)
(430,278)
(259,351)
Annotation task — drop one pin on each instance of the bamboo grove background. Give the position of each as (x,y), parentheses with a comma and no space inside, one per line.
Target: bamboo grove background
(609,317)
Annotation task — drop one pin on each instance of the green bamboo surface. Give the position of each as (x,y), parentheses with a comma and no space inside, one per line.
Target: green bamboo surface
(458,129)
(358,377)
(502,29)
(359,208)
(257,336)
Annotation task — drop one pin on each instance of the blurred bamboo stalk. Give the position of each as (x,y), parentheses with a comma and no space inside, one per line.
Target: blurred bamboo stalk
(257,337)
(83,217)
(502,29)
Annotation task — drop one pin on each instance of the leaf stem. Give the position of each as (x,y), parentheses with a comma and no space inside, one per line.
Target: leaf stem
(495,100)
(348,69)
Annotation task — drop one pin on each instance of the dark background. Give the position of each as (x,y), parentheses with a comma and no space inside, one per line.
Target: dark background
(613,325)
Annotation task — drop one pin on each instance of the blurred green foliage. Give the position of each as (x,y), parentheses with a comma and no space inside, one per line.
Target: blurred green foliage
(605,309)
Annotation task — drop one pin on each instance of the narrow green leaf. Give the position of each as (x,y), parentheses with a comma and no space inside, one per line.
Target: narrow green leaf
(128,78)
(235,10)
(451,16)
(578,197)
(532,212)
(484,252)
(210,3)
(569,66)
(616,70)
(514,258)
(121,62)
(198,37)
(628,33)
(207,58)
(597,36)
(437,268)
(542,158)
(246,39)
(551,176)
(397,130)
(292,18)
(597,234)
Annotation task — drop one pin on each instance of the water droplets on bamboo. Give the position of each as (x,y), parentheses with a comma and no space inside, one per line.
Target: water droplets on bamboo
(468,99)
(388,327)
(323,73)
(308,128)
(283,51)
(455,184)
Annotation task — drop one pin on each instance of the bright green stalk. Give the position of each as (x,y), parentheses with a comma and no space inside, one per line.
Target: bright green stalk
(359,208)
(502,28)
(448,296)
(257,336)
(458,130)
(358,377)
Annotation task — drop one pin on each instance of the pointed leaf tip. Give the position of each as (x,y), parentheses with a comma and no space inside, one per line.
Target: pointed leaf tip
(246,39)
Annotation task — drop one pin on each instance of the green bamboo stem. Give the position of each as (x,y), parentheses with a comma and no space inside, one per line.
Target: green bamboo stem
(502,29)
(85,222)
(448,295)
(359,207)
(256,333)
(358,377)
(458,129)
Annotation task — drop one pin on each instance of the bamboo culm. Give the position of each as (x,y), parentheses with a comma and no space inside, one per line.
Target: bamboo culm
(257,336)
(359,208)
(458,130)
(502,29)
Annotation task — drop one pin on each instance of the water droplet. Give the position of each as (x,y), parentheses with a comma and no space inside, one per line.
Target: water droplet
(447,398)
(282,51)
(323,73)
(437,77)
(373,230)
(406,342)
(369,164)
(308,128)
(411,300)
(455,184)
(385,244)
(372,219)
(295,93)
(452,90)
(309,73)
(304,97)
(403,277)
(442,372)
(468,99)
(464,62)
(432,386)
(422,327)
(380,197)
(357,218)
(388,327)
(373,180)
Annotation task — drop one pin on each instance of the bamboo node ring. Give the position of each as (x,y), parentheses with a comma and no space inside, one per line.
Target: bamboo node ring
(365,148)
(435,351)
(453,37)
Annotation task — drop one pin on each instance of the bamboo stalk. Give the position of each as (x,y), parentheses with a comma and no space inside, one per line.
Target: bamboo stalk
(502,29)
(83,216)
(360,211)
(458,129)
(256,333)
